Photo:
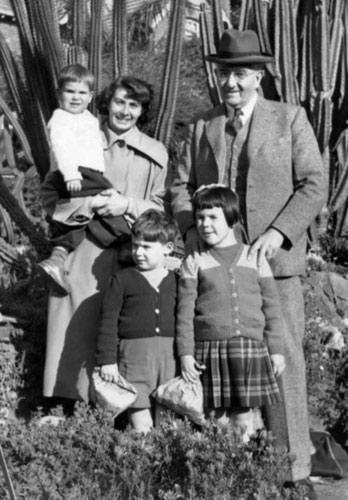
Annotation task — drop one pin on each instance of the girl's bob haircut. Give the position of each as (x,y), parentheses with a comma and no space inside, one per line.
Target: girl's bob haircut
(217,196)
(153,225)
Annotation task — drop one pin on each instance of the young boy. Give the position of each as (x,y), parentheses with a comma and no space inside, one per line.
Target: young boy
(136,336)
(76,158)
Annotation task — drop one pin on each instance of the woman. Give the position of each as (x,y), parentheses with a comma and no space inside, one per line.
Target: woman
(137,167)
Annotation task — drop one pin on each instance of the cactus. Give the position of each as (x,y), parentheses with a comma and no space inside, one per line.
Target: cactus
(120,62)
(11,74)
(217,21)
(10,204)
(286,60)
(18,131)
(8,254)
(245,20)
(79,17)
(208,47)
(170,80)
(95,48)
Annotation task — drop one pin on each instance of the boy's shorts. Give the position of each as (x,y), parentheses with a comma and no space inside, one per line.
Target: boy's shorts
(146,363)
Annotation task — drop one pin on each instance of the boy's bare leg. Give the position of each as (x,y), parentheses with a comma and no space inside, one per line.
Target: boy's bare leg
(141,419)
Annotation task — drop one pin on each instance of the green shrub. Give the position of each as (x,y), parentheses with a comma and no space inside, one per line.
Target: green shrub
(83,458)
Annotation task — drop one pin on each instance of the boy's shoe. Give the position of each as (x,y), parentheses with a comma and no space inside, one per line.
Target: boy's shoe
(54,267)
(305,486)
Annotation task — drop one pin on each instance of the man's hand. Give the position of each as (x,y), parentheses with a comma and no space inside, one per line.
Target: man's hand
(193,243)
(109,203)
(190,369)
(266,246)
(109,373)
(278,363)
(73,186)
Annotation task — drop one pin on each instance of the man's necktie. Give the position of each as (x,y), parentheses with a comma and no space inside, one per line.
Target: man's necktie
(236,123)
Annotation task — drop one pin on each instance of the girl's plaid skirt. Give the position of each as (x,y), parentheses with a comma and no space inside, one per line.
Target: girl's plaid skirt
(238,373)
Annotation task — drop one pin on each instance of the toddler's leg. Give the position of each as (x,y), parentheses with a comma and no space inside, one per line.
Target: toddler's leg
(54,266)
(244,419)
(141,419)
(221,415)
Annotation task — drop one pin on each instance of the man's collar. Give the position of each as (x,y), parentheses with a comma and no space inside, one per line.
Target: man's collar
(246,110)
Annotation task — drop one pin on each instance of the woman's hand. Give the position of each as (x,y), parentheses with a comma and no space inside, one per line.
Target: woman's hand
(278,363)
(190,369)
(109,373)
(109,203)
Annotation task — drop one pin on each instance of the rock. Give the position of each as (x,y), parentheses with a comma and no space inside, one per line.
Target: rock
(51,420)
(334,338)
(339,287)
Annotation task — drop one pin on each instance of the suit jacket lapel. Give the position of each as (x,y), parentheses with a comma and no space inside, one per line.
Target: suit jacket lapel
(260,127)
(215,132)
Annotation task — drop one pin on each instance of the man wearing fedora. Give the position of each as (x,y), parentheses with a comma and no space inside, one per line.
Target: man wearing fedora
(267,152)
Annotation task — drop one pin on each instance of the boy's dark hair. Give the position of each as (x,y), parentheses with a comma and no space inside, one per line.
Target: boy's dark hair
(217,196)
(154,225)
(75,73)
(136,89)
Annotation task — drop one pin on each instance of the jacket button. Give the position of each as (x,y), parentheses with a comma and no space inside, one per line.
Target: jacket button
(157,330)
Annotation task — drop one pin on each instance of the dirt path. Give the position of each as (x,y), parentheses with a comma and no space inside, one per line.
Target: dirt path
(333,490)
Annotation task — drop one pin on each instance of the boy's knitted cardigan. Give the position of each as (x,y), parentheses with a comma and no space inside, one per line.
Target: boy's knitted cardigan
(217,302)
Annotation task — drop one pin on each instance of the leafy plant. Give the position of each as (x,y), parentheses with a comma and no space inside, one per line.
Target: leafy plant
(82,457)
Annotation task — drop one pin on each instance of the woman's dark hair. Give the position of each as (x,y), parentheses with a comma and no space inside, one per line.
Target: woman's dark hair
(136,89)
(217,196)
(153,225)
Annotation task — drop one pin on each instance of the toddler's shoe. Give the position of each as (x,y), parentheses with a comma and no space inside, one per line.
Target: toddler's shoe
(54,267)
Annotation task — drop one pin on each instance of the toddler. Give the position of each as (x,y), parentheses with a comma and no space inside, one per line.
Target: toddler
(136,336)
(77,163)
(229,323)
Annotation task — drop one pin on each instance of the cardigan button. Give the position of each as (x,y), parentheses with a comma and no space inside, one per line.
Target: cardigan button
(236,321)
(157,330)
(234,294)
(237,332)
(157,311)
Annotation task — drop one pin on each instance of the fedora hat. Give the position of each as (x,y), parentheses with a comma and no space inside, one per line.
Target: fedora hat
(239,47)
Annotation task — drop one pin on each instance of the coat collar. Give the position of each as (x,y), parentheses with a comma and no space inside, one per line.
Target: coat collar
(139,141)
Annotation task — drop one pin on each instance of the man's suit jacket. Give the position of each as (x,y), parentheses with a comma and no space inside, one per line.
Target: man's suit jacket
(285,185)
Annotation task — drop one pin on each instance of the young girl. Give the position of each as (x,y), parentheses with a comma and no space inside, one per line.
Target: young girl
(229,324)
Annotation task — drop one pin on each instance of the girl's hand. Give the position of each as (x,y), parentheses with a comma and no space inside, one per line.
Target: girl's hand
(109,373)
(109,203)
(278,363)
(190,369)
